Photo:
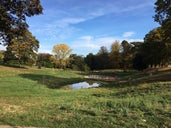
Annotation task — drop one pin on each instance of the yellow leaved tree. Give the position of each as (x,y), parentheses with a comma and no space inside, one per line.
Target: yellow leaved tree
(62,53)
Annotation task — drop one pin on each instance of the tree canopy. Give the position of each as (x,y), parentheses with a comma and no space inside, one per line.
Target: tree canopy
(62,53)
(163,11)
(126,54)
(13,15)
(23,49)
(163,17)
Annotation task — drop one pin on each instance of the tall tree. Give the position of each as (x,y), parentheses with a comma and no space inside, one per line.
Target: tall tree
(154,48)
(23,49)
(77,62)
(163,11)
(126,55)
(115,56)
(62,53)
(163,17)
(138,60)
(13,15)
(90,60)
(103,58)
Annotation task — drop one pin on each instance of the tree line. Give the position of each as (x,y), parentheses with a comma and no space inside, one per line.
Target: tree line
(22,46)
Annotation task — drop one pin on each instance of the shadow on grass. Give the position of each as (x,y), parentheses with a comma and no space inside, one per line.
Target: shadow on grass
(51,82)
(112,73)
(14,66)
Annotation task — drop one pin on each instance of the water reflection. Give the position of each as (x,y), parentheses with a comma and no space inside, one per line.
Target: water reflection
(86,84)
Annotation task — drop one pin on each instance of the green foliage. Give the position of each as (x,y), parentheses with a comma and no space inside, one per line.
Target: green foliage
(163,11)
(163,17)
(126,55)
(23,49)
(90,60)
(154,49)
(77,63)
(115,55)
(44,59)
(102,58)
(13,15)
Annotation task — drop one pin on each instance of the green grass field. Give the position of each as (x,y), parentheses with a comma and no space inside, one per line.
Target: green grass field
(35,97)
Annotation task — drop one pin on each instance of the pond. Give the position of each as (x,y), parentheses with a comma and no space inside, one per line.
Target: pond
(85,84)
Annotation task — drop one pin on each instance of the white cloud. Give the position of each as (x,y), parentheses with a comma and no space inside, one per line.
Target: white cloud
(87,38)
(128,34)
(85,42)
(72,20)
(57,30)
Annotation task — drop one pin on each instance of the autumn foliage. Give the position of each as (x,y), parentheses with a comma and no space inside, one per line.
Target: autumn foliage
(62,53)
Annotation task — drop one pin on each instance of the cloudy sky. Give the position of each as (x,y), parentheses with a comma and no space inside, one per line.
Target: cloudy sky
(86,25)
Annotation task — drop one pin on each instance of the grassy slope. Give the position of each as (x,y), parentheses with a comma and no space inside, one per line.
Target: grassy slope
(28,98)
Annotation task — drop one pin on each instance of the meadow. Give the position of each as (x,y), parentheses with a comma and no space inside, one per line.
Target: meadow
(34,97)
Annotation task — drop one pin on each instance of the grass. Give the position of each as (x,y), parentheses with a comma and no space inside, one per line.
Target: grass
(32,97)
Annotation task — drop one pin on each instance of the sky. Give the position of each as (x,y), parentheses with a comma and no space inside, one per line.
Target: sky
(86,25)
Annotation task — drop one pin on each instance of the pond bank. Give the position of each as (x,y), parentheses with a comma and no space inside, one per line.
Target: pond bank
(101,77)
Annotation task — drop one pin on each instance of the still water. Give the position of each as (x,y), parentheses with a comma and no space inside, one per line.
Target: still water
(86,84)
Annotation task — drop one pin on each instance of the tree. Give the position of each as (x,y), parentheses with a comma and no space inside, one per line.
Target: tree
(1,56)
(90,61)
(103,50)
(13,15)
(137,59)
(62,53)
(23,49)
(163,11)
(102,58)
(115,56)
(163,17)
(77,62)
(154,48)
(44,59)
(126,55)
(115,47)
(138,62)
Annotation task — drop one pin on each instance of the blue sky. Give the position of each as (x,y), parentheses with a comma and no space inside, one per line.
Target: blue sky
(86,25)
